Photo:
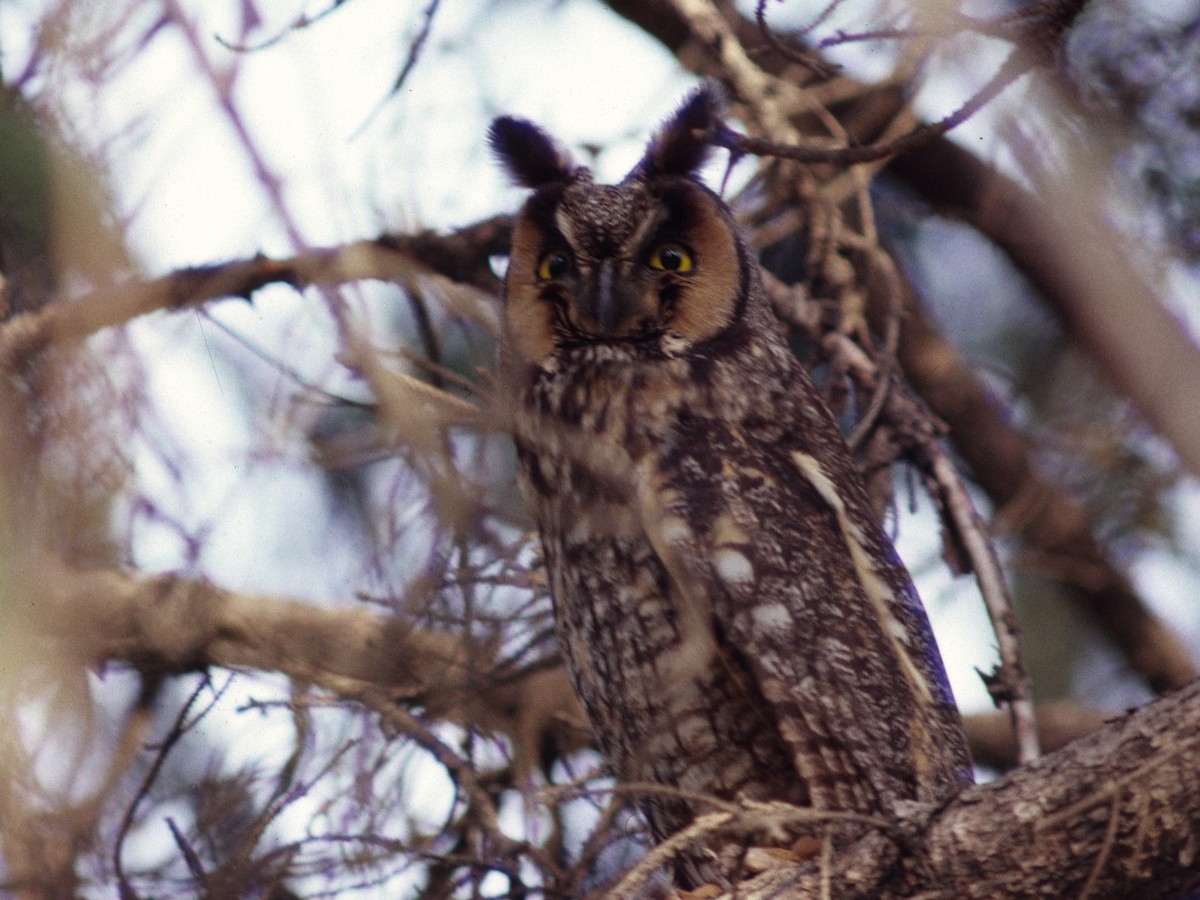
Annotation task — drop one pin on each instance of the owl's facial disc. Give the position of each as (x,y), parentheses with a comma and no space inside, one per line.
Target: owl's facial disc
(619,264)
(599,286)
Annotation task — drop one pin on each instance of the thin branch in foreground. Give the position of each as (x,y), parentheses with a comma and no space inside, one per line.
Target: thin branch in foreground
(742,820)
(414,54)
(1016,65)
(460,256)
(1011,683)
(1053,524)
(813,63)
(178,729)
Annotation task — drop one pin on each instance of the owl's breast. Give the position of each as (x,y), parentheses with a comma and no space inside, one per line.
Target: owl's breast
(670,703)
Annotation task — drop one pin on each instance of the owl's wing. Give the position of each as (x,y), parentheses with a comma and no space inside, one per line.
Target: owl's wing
(781,571)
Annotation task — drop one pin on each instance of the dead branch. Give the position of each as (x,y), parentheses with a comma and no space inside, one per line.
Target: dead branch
(176,625)
(1011,684)
(1013,68)
(461,256)
(1000,461)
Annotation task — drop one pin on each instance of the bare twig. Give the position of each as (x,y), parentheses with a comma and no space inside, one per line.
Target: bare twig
(735,820)
(813,63)
(1011,683)
(414,54)
(177,730)
(1016,65)
(460,256)
(302,21)
(1058,527)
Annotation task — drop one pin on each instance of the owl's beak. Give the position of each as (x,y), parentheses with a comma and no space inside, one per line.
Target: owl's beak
(609,309)
(606,305)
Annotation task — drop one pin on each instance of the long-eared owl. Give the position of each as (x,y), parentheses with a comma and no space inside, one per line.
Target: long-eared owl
(730,612)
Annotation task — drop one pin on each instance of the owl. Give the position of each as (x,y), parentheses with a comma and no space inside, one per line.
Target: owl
(733,618)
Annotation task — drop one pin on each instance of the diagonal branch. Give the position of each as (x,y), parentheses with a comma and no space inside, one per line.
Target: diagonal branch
(1000,461)
(461,256)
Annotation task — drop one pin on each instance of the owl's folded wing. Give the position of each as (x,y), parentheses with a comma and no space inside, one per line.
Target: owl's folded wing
(781,573)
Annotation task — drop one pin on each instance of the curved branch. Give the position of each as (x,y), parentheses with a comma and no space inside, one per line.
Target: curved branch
(461,256)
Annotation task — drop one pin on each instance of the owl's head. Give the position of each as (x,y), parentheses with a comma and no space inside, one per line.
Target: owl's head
(654,262)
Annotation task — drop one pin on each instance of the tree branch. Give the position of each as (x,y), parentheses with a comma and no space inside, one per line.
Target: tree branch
(1114,814)
(990,735)
(172,625)
(1040,512)
(461,256)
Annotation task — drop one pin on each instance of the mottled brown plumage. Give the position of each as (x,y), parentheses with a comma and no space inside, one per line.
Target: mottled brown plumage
(731,615)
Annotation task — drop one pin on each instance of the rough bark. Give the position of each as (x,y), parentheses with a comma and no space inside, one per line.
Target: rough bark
(1115,814)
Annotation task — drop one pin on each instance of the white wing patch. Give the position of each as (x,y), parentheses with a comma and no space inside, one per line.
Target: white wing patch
(733,566)
(772,617)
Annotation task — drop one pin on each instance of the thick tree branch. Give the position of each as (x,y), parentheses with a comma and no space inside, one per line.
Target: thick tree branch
(1115,814)
(172,625)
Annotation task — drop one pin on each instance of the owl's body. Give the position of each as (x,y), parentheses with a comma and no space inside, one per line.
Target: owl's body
(730,613)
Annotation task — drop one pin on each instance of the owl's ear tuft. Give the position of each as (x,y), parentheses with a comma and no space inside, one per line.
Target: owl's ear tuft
(531,157)
(683,143)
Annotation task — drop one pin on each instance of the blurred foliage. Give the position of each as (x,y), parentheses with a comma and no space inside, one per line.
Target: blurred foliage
(1137,64)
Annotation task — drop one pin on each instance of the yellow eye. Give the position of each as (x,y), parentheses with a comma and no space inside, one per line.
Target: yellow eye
(554,264)
(671,258)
